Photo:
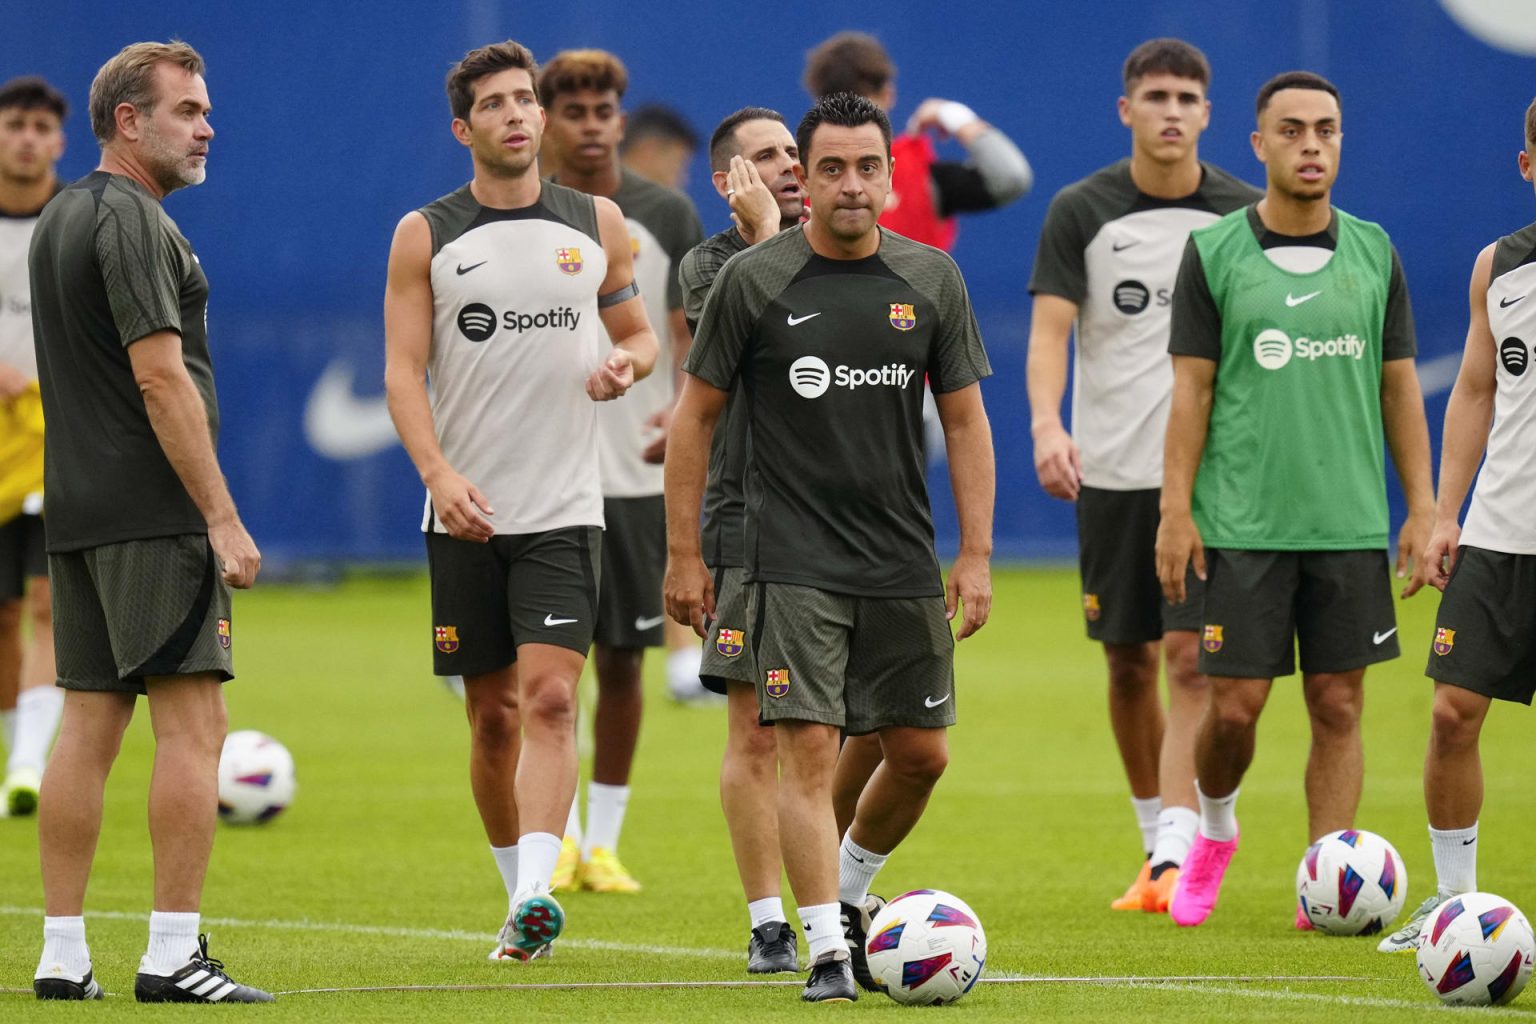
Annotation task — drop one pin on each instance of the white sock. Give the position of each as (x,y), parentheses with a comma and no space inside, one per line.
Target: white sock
(856,869)
(506,863)
(1175,832)
(537,853)
(683,672)
(573,821)
(1455,851)
(1218,817)
(37,720)
(172,941)
(1146,820)
(766,910)
(823,926)
(64,950)
(8,727)
(605,817)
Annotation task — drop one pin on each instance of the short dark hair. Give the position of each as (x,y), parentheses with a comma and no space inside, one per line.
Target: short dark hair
(575,70)
(1169,57)
(845,110)
(30,92)
(1530,125)
(722,142)
(848,62)
(1294,80)
(487,60)
(658,121)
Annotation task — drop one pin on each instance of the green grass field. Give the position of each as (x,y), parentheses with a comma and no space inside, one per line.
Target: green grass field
(379,874)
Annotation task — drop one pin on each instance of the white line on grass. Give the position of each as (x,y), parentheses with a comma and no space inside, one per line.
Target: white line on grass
(1286,995)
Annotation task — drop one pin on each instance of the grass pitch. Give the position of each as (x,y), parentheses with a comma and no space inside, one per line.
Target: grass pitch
(379,878)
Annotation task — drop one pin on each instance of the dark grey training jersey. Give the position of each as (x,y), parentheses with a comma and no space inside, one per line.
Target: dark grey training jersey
(109,268)
(831,355)
(724,499)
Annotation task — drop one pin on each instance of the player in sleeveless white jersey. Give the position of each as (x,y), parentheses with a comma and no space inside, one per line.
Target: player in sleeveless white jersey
(1483,644)
(495,292)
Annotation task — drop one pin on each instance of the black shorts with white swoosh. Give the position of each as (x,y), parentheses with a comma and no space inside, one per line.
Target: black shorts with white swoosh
(1483,640)
(630,613)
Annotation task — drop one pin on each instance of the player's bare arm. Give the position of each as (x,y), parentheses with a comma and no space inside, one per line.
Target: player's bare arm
(688,589)
(1189,419)
(1407,430)
(180,422)
(973,477)
(1468,417)
(459,505)
(634,341)
(1058,465)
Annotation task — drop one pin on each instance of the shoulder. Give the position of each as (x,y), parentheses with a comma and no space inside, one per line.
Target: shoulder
(1359,225)
(1110,185)
(1226,191)
(1511,252)
(654,205)
(899,249)
(770,264)
(442,220)
(712,253)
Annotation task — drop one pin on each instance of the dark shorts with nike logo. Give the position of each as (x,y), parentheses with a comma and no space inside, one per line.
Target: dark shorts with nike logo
(727,642)
(1485,630)
(859,663)
(490,599)
(630,612)
(127,612)
(1123,602)
(1260,606)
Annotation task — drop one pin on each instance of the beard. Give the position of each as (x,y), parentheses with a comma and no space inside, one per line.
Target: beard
(171,165)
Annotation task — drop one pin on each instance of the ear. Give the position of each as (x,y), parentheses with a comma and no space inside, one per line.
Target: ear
(1525,165)
(126,117)
(1257,142)
(1123,108)
(460,129)
(800,177)
(719,179)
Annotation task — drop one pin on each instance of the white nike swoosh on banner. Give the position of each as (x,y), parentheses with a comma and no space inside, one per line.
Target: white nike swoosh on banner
(644,624)
(550,620)
(793,320)
(931,703)
(340,425)
(1378,638)
(1296,300)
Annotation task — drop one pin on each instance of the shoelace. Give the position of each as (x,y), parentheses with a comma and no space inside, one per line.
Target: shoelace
(204,959)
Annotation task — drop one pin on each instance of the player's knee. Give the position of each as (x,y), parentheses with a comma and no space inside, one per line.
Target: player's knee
(549,703)
(1132,668)
(494,723)
(1453,727)
(922,767)
(1336,708)
(1233,715)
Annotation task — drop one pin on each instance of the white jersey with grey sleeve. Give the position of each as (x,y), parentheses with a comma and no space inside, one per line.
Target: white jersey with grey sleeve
(16,293)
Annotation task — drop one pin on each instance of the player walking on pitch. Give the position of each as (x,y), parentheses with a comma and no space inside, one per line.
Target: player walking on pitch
(495,291)
(1481,650)
(830,329)
(1105,271)
(1293,349)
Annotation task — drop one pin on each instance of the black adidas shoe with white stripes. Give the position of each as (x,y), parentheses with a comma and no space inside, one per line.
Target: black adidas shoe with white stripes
(202,980)
(60,987)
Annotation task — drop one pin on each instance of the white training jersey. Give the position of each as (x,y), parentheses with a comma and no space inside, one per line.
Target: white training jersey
(16,293)
(1500,518)
(515,334)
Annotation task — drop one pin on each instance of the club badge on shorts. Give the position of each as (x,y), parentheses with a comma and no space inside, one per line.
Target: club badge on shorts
(1212,640)
(447,638)
(1091,607)
(568,260)
(1445,639)
(902,316)
(778,682)
(223,630)
(728,642)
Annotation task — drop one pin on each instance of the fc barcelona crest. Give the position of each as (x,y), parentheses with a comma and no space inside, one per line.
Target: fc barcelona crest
(902,316)
(568,260)
(1091,607)
(223,629)
(1445,639)
(728,642)
(1212,640)
(778,682)
(447,638)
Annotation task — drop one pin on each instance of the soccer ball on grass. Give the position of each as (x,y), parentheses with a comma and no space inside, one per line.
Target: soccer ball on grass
(1351,883)
(256,779)
(926,947)
(1476,949)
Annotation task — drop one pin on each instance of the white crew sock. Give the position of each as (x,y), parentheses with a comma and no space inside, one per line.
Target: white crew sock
(768,909)
(683,672)
(605,817)
(856,869)
(172,941)
(1175,832)
(1218,817)
(823,926)
(536,856)
(37,720)
(573,821)
(1455,851)
(506,863)
(1146,820)
(64,950)
(8,727)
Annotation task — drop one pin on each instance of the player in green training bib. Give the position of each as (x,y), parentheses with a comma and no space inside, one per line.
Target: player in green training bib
(1293,346)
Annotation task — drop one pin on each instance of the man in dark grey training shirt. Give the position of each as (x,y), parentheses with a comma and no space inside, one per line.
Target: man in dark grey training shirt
(831,329)
(144,541)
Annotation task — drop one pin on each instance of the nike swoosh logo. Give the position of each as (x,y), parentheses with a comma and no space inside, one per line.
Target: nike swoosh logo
(1121,248)
(796,320)
(1377,638)
(931,703)
(462,269)
(644,624)
(1506,303)
(550,620)
(1469,842)
(340,425)
(1296,300)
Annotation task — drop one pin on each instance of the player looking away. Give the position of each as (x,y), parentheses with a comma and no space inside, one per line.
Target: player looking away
(1293,350)
(755,163)
(1104,274)
(658,144)
(830,329)
(1481,650)
(144,546)
(495,292)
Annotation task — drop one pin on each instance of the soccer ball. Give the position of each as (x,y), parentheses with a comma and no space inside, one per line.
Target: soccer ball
(926,947)
(1351,883)
(256,778)
(1475,950)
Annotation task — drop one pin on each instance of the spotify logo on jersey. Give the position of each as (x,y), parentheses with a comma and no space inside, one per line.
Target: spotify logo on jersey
(477,321)
(1131,297)
(1272,349)
(810,376)
(1514,355)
